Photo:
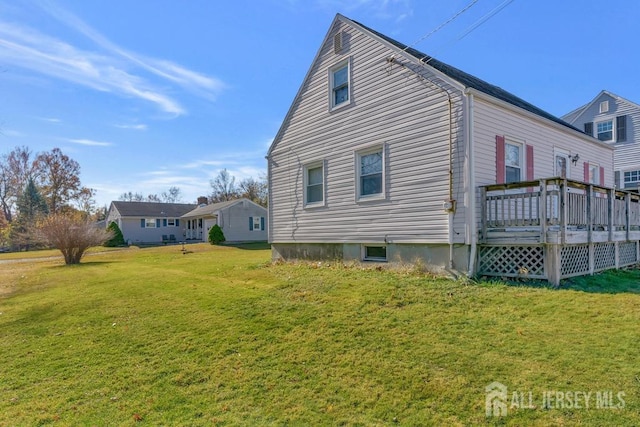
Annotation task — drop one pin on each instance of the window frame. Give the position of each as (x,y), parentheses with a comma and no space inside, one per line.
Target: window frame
(149,221)
(366,257)
(558,152)
(346,63)
(305,179)
(365,151)
(170,221)
(634,183)
(594,173)
(259,225)
(603,107)
(521,160)
(612,130)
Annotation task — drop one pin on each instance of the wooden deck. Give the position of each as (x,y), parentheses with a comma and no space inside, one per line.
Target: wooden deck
(555,228)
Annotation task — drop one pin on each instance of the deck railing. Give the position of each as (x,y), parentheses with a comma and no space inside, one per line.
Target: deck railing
(559,204)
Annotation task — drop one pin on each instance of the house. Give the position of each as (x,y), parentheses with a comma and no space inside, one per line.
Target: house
(241,220)
(149,222)
(389,155)
(616,121)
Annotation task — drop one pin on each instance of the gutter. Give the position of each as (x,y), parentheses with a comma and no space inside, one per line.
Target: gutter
(473,224)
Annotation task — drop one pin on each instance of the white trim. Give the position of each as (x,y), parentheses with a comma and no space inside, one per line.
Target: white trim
(305,182)
(148,221)
(357,155)
(613,128)
(593,166)
(522,157)
(331,72)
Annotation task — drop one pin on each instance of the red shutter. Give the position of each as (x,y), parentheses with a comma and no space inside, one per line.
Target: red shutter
(601,176)
(586,172)
(500,170)
(529,162)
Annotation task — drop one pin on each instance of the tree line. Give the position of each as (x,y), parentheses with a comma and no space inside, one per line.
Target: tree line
(34,186)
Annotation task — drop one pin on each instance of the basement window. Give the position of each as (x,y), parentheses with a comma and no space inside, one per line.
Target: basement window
(375,253)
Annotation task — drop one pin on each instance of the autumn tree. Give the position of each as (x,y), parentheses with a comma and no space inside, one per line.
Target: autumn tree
(173,195)
(16,169)
(72,235)
(59,177)
(255,190)
(223,187)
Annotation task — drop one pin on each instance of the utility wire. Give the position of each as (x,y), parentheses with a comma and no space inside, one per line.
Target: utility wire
(439,27)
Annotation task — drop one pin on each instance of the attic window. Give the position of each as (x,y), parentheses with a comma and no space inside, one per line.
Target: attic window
(337,43)
(339,82)
(604,107)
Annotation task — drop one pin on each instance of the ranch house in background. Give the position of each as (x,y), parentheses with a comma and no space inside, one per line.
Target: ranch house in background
(241,220)
(616,121)
(149,222)
(387,154)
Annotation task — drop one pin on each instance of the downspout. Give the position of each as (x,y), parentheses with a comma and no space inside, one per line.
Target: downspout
(473,226)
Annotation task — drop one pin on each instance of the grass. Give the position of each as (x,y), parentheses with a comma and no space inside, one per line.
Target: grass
(219,336)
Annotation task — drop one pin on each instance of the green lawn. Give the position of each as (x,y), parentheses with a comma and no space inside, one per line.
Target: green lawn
(219,336)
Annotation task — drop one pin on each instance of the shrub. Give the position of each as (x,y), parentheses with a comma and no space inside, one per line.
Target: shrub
(216,236)
(72,235)
(117,239)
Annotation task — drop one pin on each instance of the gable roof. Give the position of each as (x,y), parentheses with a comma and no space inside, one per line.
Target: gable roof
(572,116)
(213,208)
(152,209)
(467,79)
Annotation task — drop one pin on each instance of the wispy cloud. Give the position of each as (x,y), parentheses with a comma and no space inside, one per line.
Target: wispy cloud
(12,133)
(50,119)
(108,68)
(90,142)
(134,127)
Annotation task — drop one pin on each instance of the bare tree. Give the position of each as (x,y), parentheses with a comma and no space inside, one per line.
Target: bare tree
(174,195)
(223,187)
(16,169)
(59,178)
(255,190)
(72,235)
(131,197)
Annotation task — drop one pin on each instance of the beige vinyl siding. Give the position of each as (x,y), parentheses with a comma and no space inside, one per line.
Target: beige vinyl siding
(390,107)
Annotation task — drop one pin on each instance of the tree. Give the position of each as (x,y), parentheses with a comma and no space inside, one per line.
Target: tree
(117,238)
(174,195)
(72,235)
(223,187)
(85,201)
(255,190)
(32,207)
(131,197)
(59,177)
(216,236)
(16,169)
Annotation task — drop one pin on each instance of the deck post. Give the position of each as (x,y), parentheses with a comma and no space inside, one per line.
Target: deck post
(563,211)
(610,210)
(553,264)
(542,211)
(589,213)
(627,214)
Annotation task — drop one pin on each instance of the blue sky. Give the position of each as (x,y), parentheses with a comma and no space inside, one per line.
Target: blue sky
(150,94)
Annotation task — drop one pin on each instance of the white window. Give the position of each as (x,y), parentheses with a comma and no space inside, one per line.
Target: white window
(171,222)
(257,222)
(314,184)
(561,163)
(513,162)
(604,130)
(370,173)
(374,253)
(632,179)
(604,107)
(594,173)
(339,82)
(149,223)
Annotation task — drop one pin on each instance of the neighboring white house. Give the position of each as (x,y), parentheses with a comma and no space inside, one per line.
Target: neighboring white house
(241,220)
(616,121)
(149,222)
(384,149)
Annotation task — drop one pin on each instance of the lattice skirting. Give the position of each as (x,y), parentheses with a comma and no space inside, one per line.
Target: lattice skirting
(512,261)
(537,261)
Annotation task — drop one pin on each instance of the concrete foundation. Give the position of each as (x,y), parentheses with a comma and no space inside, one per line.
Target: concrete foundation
(433,257)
